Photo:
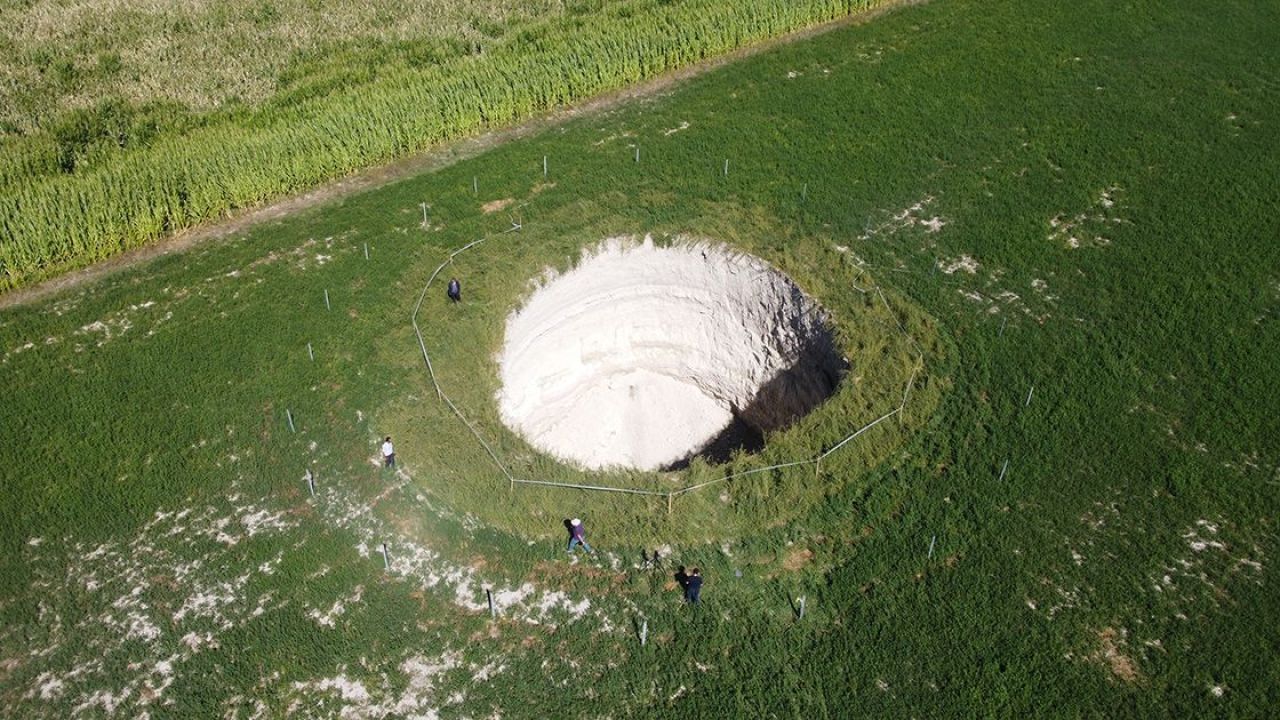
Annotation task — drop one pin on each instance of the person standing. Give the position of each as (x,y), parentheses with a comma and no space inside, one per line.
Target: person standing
(693,586)
(577,536)
(388,453)
(455,290)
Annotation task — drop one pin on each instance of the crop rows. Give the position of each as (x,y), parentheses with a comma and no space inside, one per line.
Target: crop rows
(52,224)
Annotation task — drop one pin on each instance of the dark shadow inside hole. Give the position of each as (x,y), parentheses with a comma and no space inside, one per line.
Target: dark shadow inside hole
(784,399)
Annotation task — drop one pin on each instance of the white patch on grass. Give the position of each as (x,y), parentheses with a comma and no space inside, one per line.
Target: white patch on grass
(462,584)
(963,263)
(166,587)
(1088,228)
(329,617)
(676,129)
(912,216)
(418,699)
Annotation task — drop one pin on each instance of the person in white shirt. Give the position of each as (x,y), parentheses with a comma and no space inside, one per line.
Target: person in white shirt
(388,452)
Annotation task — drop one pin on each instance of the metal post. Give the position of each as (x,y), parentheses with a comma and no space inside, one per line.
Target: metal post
(801,607)
(310,353)
(644,632)
(1003,320)
(726,167)
(311,482)
(931,544)
(493,613)
(289,414)
(386,562)
(475,185)
(1006,467)
(366,251)
(424,215)
(669,495)
(326,300)
(637,153)
(544,166)
(1033,389)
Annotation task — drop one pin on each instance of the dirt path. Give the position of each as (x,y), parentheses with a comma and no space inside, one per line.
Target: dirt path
(431,160)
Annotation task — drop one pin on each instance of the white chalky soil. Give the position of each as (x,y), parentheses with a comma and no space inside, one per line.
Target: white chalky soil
(642,355)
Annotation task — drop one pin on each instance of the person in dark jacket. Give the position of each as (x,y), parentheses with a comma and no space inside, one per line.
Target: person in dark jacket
(693,586)
(577,536)
(455,290)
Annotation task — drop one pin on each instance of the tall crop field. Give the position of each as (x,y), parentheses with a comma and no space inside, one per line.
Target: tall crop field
(54,217)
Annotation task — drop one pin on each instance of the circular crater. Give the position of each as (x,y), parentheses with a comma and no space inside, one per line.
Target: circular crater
(646,357)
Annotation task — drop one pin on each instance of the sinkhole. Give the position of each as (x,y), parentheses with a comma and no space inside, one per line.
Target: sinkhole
(646,356)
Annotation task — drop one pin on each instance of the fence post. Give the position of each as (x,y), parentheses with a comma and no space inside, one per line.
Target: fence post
(310,353)
(544,166)
(801,607)
(493,613)
(637,153)
(386,562)
(1033,389)
(311,482)
(669,496)
(1002,469)
(726,167)
(931,544)
(326,300)
(289,414)
(366,251)
(644,632)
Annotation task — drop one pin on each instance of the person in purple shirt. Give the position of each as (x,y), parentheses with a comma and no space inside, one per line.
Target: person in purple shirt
(577,535)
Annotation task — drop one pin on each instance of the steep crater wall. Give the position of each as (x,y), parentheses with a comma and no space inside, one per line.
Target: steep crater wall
(645,356)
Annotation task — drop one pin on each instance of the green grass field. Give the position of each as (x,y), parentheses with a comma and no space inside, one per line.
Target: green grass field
(1071,207)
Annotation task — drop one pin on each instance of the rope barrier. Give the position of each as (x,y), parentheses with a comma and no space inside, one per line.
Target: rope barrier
(635,491)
